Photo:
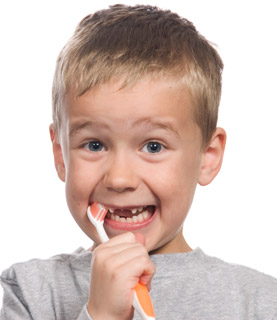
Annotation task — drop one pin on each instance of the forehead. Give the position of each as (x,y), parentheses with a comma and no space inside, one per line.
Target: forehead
(147,97)
(147,106)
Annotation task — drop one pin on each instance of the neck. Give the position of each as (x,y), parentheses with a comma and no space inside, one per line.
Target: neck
(177,245)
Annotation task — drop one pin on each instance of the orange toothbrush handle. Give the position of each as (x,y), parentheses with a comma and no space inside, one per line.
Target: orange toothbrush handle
(142,302)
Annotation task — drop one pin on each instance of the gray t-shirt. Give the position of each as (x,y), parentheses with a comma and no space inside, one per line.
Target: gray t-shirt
(190,286)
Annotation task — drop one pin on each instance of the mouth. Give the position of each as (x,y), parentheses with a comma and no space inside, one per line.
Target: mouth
(130,217)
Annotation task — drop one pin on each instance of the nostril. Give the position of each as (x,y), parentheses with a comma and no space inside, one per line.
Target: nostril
(120,183)
(120,175)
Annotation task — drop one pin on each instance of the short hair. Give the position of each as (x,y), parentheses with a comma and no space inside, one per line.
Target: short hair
(130,42)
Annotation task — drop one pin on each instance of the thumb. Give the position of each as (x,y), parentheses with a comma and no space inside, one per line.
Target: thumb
(140,238)
(146,277)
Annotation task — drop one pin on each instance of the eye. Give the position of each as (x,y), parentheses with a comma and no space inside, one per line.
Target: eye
(94,146)
(153,147)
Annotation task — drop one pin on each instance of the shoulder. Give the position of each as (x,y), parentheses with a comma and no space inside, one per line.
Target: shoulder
(219,285)
(45,270)
(56,287)
(205,266)
(247,286)
(239,274)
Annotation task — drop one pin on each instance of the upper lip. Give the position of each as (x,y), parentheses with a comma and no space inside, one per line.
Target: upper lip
(111,206)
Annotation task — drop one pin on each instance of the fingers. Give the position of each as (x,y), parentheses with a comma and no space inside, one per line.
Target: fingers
(124,253)
(118,265)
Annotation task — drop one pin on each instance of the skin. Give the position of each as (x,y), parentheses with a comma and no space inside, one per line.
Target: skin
(123,173)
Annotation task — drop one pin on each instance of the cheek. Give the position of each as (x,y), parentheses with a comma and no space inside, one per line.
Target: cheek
(78,188)
(78,183)
(177,184)
(178,180)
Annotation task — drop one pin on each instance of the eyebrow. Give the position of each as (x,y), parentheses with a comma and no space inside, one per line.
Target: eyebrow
(80,125)
(165,125)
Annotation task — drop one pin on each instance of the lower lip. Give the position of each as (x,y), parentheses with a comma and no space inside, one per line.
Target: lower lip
(130,226)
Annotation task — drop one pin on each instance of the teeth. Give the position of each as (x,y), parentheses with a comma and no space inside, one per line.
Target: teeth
(145,214)
(134,211)
(139,218)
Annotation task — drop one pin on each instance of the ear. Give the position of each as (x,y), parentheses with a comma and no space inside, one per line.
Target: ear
(58,154)
(212,157)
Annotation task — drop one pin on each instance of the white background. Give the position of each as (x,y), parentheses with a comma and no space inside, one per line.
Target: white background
(234,218)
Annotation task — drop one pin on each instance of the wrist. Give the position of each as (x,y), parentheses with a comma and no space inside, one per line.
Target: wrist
(93,315)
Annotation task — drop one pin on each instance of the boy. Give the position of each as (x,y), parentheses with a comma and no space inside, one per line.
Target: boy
(135,102)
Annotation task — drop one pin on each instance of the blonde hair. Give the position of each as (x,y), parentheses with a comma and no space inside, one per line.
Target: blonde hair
(129,42)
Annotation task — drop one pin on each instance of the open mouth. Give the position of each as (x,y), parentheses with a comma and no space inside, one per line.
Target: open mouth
(135,215)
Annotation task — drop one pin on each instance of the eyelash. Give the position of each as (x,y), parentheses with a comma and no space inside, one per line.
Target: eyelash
(96,142)
(155,144)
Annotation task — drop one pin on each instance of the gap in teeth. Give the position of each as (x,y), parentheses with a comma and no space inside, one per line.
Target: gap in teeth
(134,211)
(141,217)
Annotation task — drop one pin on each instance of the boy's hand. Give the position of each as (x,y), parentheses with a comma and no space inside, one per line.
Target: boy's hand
(118,266)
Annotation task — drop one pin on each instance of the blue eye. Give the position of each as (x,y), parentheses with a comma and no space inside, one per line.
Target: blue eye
(153,147)
(94,146)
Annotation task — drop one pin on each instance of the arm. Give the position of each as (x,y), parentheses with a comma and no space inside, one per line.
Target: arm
(14,306)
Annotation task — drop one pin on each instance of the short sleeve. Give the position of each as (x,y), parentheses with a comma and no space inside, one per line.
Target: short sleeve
(14,306)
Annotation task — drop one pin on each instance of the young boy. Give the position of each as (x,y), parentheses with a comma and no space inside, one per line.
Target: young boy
(135,103)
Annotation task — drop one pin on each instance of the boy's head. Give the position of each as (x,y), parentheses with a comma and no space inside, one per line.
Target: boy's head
(135,100)
(128,43)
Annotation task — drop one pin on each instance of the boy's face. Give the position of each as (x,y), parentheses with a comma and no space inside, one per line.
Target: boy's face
(131,149)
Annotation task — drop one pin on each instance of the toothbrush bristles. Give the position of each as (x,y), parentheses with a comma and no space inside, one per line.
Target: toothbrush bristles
(98,211)
(101,215)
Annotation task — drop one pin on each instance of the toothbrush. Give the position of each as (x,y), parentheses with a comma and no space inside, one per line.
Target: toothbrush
(142,301)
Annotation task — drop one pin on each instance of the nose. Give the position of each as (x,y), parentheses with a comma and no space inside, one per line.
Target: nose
(120,174)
